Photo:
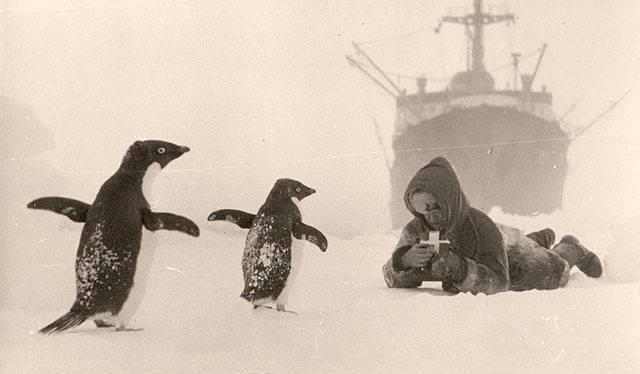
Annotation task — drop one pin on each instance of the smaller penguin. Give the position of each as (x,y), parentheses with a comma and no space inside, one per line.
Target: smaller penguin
(269,263)
(115,253)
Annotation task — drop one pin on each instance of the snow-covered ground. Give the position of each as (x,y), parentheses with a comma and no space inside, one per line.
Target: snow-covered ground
(193,319)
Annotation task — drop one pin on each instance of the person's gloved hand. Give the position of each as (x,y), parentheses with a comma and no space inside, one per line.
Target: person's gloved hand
(448,264)
(418,256)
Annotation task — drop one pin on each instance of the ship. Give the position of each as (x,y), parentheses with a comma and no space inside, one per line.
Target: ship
(507,146)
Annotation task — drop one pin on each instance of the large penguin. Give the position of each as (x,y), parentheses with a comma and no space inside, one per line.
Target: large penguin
(112,262)
(269,263)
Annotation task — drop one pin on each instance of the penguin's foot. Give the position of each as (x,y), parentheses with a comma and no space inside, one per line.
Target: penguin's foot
(280,308)
(100,323)
(256,306)
(127,329)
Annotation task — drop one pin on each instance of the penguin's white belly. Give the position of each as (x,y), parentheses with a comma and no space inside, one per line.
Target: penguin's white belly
(296,262)
(143,267)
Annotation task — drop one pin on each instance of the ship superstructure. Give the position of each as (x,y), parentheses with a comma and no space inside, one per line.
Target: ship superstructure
(506,144)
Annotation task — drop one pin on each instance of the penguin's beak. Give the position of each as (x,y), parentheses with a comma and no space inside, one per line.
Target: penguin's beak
(176,152)
(307,192)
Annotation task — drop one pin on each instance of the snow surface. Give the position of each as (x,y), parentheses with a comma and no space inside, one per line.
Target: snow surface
(193,319)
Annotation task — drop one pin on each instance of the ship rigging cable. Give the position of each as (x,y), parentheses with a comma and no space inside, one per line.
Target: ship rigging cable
(611,106)
(441,79)
(405,35)
(396,37)
(374,153)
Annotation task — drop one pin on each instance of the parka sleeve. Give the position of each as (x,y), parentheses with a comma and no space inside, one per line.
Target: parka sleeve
(408,238)
(488,270)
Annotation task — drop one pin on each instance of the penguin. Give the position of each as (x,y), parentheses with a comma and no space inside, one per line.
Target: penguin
(112,261)
(269,264)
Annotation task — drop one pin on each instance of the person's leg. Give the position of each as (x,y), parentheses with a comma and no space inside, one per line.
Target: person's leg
(406,278)
(545,237)
(570,249)
(534,267)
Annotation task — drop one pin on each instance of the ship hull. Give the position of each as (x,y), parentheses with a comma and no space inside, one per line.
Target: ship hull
(503,157)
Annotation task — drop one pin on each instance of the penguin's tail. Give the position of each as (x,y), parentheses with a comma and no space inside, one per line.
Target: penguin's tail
(69,320)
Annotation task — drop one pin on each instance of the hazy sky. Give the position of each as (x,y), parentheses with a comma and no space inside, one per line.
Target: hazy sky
(261,90)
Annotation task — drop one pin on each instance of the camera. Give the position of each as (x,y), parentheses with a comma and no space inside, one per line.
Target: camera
(434,241)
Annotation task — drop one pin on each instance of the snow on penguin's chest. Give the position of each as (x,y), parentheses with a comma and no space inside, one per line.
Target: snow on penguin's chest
(268,261)
(148,244)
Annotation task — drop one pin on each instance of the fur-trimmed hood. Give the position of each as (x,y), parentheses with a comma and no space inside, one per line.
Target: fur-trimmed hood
(439,178)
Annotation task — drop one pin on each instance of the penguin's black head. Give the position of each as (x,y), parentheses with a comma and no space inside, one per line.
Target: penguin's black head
(141,154)
(288,188)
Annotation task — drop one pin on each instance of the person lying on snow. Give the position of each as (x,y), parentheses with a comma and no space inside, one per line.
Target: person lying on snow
(480,256)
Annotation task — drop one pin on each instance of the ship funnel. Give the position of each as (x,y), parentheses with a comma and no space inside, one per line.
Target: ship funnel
(422,85)
(526,79)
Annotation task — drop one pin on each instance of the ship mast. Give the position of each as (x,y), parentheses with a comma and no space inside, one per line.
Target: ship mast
(478,20)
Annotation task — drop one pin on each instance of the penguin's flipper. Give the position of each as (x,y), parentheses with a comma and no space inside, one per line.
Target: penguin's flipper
(240,218)
(75,210)
(168,221)
(311,234)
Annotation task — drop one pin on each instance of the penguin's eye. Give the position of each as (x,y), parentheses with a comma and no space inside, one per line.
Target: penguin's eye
(298,189)
(161,150)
